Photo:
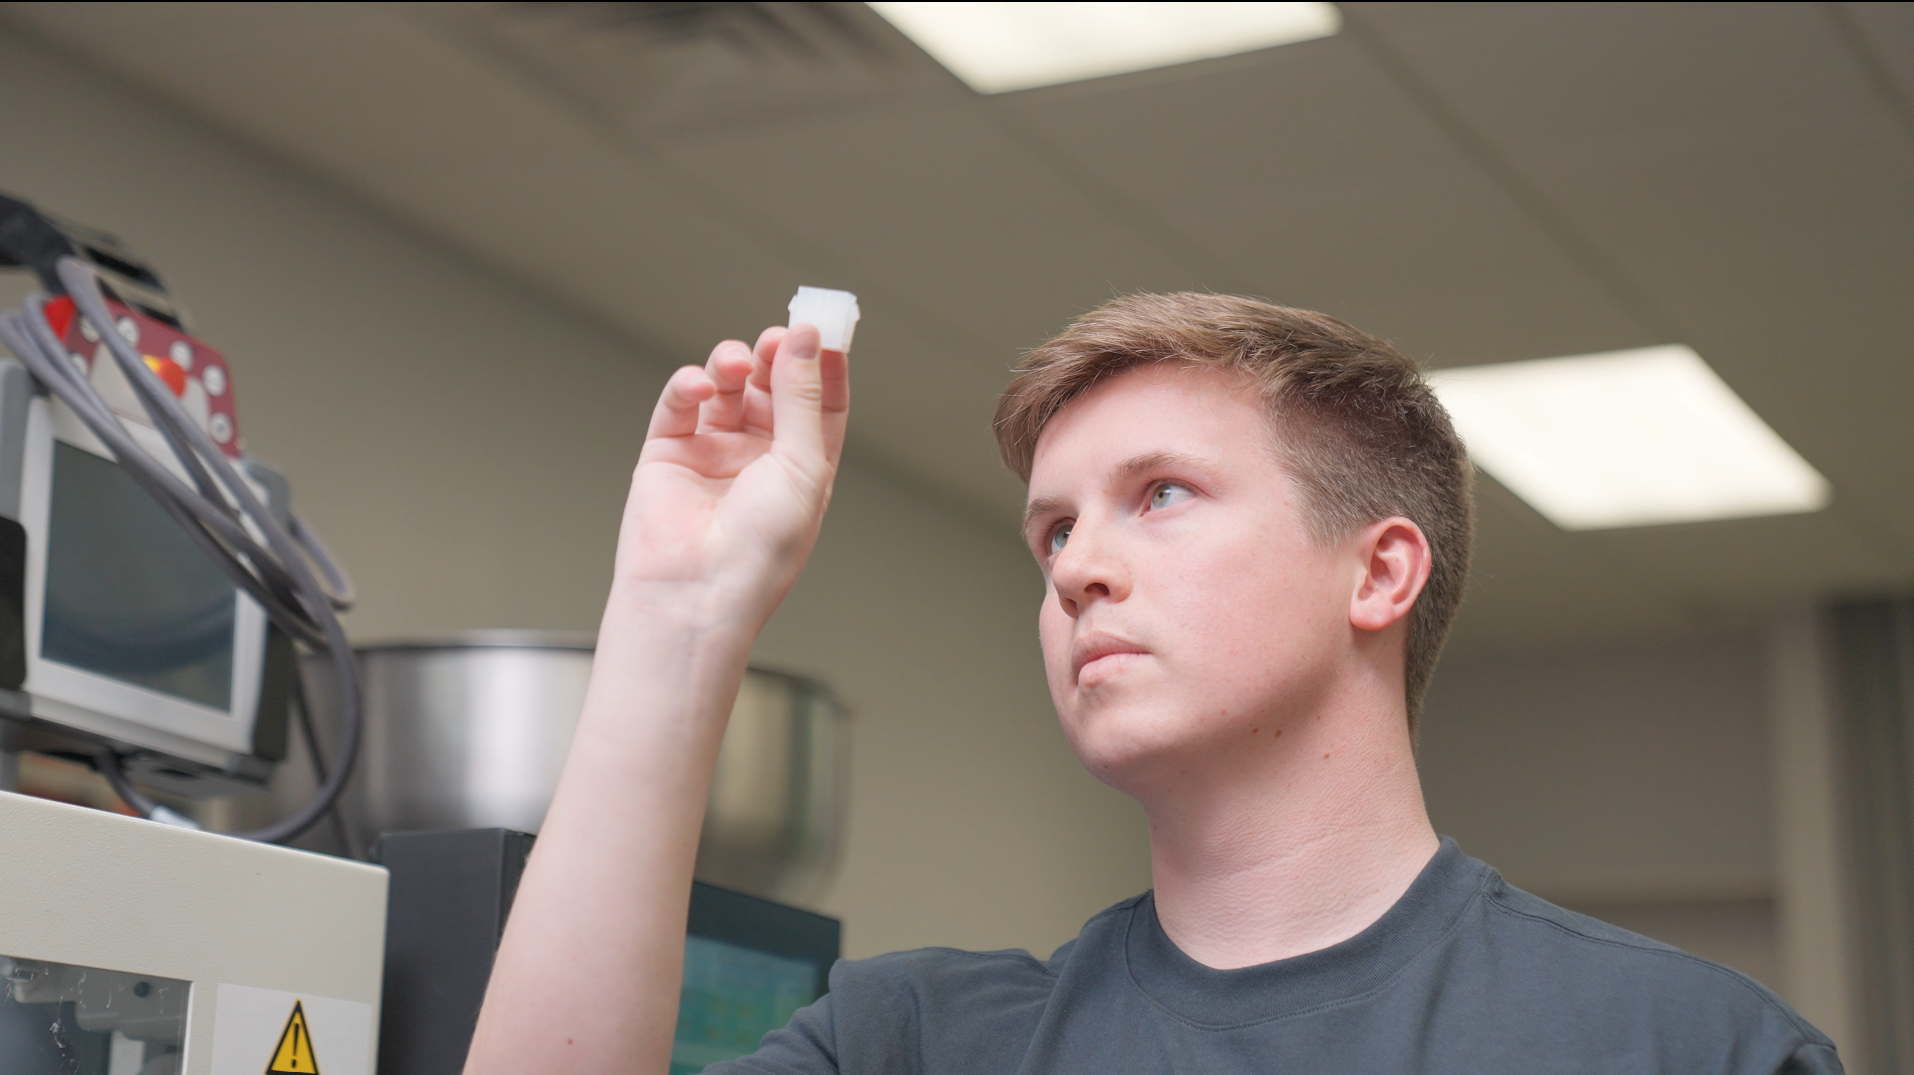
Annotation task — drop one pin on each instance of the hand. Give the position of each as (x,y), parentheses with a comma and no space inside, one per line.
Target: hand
(734,478)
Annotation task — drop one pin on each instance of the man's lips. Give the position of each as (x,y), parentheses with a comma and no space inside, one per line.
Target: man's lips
(1094,647)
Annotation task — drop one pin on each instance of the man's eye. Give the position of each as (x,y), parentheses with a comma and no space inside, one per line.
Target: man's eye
(1059,537)
(1168,493)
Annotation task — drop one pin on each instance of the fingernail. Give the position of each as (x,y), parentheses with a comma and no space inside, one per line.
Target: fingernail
(803,344)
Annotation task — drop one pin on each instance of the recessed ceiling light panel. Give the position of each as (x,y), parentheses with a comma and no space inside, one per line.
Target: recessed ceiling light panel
(1001,47)
(1627,438)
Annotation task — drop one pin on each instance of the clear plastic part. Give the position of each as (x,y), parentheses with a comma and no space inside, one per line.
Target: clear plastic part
(834,313)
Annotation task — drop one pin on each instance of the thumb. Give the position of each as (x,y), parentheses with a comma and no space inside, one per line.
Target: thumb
(797,397)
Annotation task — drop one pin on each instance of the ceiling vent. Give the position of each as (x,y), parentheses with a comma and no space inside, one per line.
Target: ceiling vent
(680,70)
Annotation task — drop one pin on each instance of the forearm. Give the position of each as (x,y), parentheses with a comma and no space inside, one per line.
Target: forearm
(588,973)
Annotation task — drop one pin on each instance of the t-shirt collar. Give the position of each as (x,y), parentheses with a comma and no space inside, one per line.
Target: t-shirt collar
(1222,998)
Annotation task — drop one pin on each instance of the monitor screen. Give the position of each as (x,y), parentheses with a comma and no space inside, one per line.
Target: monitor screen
(128,594)
(749,964)
(733,996)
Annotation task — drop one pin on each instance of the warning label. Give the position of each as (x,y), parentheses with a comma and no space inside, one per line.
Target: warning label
(268,1032)
(294,1054)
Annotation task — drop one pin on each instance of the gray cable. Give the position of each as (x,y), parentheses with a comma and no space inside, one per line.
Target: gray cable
(218,510)
(316,758)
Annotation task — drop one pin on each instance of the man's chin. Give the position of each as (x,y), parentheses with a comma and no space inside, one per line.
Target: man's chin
(1122,745)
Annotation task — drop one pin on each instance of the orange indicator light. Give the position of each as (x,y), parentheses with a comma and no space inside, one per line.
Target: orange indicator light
(169,372)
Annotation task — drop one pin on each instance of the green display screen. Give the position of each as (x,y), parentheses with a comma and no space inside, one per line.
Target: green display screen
(732,997)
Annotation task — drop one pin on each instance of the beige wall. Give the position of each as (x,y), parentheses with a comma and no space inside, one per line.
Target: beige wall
(464,444)
(1620,773)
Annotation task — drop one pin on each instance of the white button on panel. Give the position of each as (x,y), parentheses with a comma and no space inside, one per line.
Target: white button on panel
(87,330)
(182,354)
(215,381)
(129,330)
(220,427)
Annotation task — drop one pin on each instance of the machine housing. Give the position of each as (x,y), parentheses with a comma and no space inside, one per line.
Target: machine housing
(134,946)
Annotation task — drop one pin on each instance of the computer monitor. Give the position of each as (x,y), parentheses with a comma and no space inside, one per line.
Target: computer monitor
(123,630)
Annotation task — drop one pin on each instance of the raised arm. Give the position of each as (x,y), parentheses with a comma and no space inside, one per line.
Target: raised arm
(724,508)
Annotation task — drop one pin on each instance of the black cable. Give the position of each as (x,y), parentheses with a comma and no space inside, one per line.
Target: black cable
(271,563)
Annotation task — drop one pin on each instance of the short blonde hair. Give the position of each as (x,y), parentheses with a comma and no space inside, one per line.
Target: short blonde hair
(1360,430)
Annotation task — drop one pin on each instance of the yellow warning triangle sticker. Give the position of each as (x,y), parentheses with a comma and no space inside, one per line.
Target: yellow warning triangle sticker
(293,1055)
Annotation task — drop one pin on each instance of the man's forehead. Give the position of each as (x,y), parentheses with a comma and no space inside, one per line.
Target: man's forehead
(1152,410)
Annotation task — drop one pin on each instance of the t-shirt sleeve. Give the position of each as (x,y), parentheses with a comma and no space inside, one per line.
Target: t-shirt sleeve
(804,1046)
(908,1012)
(1813,1058)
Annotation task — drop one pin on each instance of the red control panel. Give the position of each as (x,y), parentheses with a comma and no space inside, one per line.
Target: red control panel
(196,373)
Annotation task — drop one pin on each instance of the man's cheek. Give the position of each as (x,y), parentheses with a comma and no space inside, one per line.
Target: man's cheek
(1053,635)
(1055,658)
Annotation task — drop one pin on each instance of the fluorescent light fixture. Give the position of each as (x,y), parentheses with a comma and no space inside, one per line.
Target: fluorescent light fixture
(1627,438)
(1001,47)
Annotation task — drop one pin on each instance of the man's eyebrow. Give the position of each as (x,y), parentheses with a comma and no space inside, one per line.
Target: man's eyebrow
(1139,464)
(1129,468)
(1043,505)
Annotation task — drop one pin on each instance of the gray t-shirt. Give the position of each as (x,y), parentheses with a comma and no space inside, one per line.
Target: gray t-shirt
(1463,975)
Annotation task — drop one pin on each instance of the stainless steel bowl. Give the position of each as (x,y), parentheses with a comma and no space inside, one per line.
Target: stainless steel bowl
(471,731)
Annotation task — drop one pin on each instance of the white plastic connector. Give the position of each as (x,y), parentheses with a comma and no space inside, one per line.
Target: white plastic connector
(172,817)
(833,312)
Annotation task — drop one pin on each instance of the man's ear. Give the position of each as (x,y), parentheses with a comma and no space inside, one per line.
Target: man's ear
(1395,560)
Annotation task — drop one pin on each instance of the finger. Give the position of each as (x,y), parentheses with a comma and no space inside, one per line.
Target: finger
(834,374)
(768,341)
(729,368)
(677,412)
(797,396)
(757,395)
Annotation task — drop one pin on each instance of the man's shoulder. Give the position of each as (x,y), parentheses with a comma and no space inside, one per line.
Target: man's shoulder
(1589,945)
(1552,952)
(942,967)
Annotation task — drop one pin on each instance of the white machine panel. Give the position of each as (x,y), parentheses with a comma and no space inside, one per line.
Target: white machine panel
(121,926)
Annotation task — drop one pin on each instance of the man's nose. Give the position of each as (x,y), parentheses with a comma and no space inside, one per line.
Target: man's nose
(1089,568)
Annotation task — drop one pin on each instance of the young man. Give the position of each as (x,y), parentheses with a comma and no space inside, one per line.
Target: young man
(1255,525)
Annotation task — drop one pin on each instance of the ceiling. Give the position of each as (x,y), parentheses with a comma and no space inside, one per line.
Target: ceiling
(1477,182)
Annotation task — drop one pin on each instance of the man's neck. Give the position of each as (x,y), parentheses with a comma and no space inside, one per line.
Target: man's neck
(1293,845)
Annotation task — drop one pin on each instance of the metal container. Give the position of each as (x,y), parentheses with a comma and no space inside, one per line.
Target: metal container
(472,731)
